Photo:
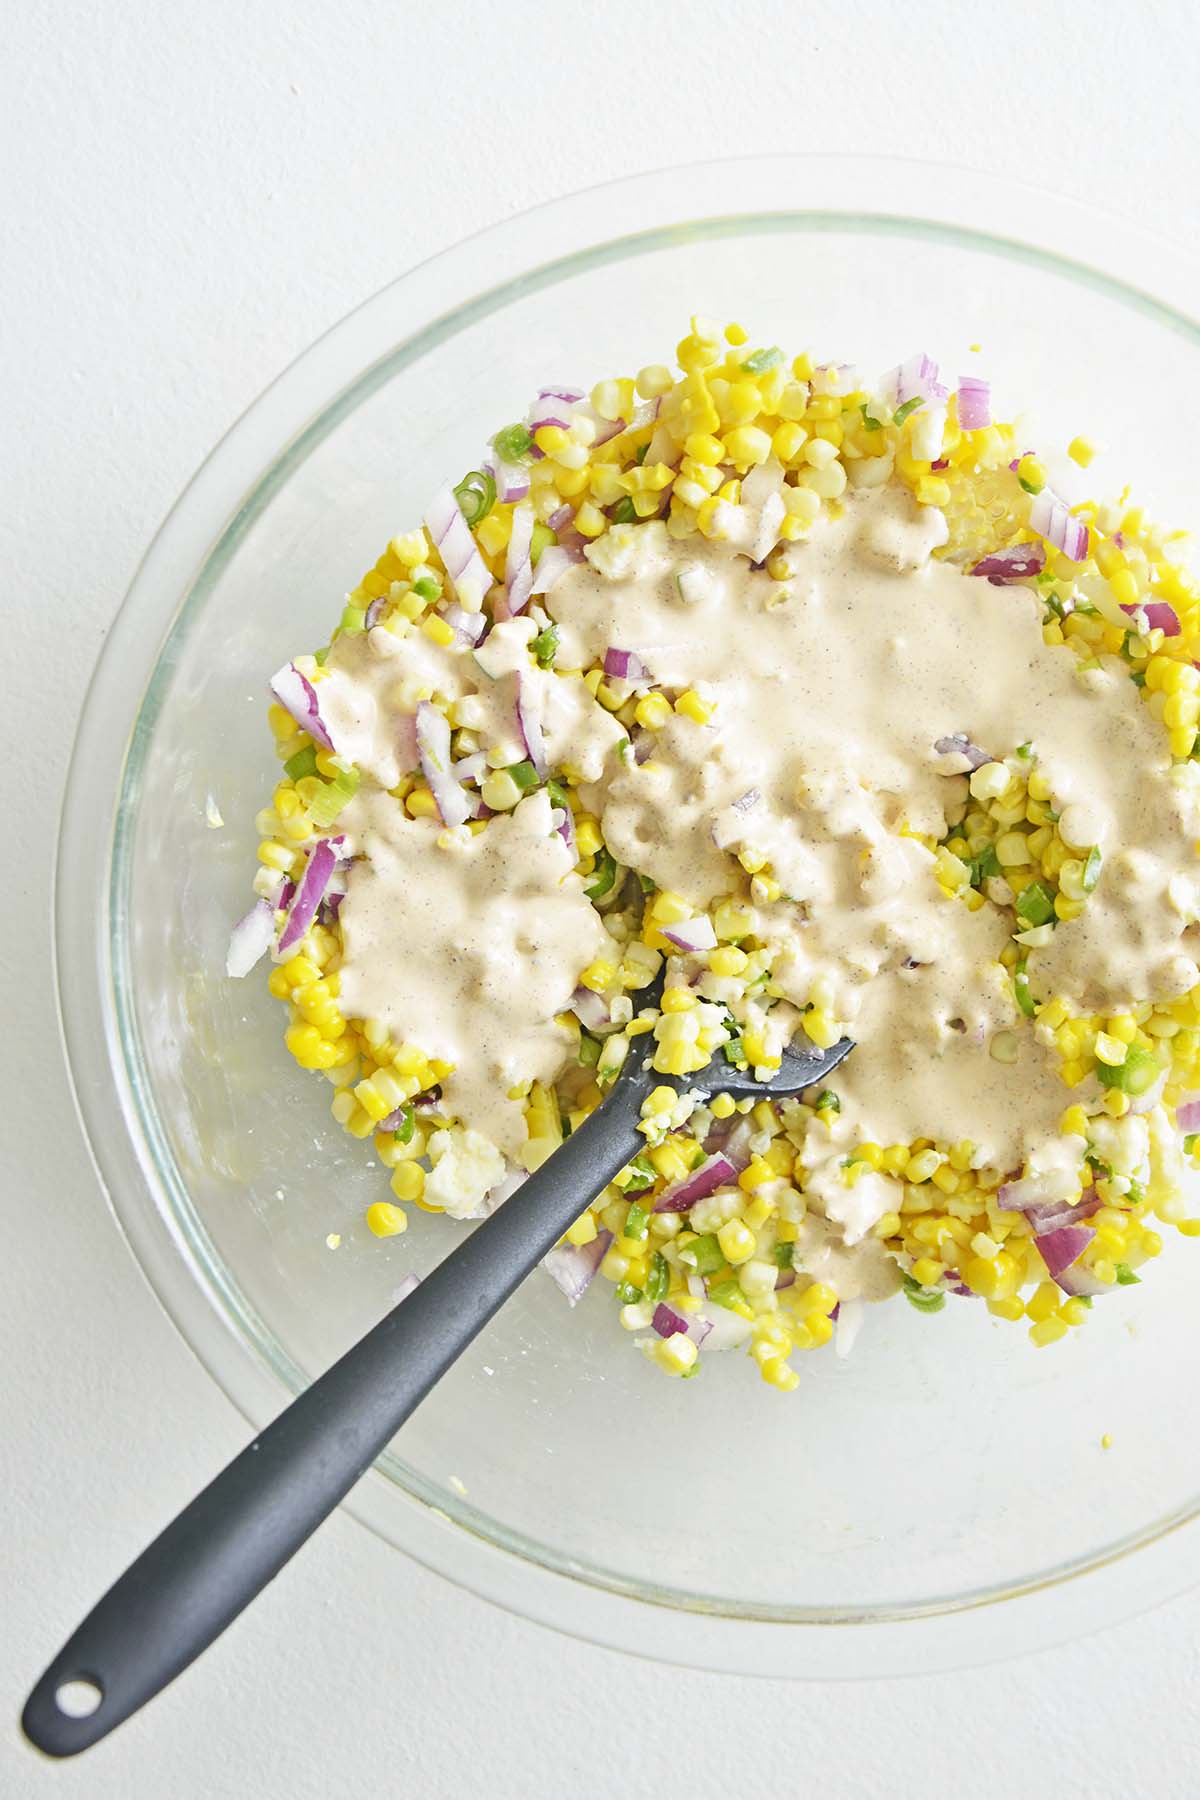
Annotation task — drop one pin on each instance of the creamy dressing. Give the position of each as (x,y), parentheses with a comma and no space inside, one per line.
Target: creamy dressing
(469,947)
(829,690)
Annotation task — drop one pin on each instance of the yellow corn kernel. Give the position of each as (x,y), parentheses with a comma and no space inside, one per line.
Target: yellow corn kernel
(722,1106)
(1047,1331)
(932,491)
(436,628)
(758,1171)
(747,445)
(737,1242)
(408,1181)
(1081,450)
(386,1220)
(1044,1303)
(652,711)
(583,1231)
(694,707)
(587,836)
(927,1271)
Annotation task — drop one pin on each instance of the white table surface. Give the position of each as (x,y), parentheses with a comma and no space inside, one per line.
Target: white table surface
(191,193)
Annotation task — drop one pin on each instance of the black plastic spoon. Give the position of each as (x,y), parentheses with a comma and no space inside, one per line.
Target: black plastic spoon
(238,1533)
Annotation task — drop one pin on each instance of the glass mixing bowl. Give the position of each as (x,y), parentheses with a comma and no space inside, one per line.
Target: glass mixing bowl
(920,1504)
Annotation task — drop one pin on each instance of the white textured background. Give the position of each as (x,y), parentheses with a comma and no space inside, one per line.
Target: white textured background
(191,193)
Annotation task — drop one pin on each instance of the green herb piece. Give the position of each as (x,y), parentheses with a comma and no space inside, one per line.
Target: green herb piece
(589,1049)
(303,763)
(1135,1075)
(785,1255)
(524,775)
(1035,905)
(983,866)
(627,1294)
(1135,1193)
(659,1278)
(1098,1166)
(605,874)
(624,512)
(647,886)
(541,540)
(910,406)
(1025,749)
(353,618)
(545,646)
(1189,1142)
(321,657)
(1091,869)
(827,1101)
(476,495)
(703,1254)
(870,423)
(1025,999)
(334,795)
(759,361)
(1126,1276)
(1031,487)
(640,456)
(512,443)
(558,794)
(427,588)
(637,1220)
(726,1293)
(1138,678)
(735,1052)
(403,1133)
(926,1300)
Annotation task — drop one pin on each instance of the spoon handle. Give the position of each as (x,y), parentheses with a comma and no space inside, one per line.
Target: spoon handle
(237,1534)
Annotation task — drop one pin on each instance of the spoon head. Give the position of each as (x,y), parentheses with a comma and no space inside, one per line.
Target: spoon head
(799,1070)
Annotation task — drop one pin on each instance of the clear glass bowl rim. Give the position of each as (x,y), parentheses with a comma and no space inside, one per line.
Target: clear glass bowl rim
(880,195)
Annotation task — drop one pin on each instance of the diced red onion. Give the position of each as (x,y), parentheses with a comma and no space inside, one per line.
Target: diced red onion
(518,565)
(766,536)
(552,564)
(731,1139)
(373,611)
(927,430)
(748,801)
(626,665)
(470,626)
(974,403)
(471,768)
(589,1008)
(250,939)
(1080,1281)
(959,744)
(1051,518)
(1159,616)
(713,1173)
(564,824)
(297,695)
(561,517)
(662,448)
(469,574)
(1063,1246)
(573,1266)
(763,481)
(833,378)
(643,746)
(850,1314)
(692,935)
(511,478)
(322,860)
(786,1278)
(1016,563)
(529,721)
(407,1285)
(667,1322)
(433,746)
(407,755)
(1187,1116)
(553,406)
(916,379)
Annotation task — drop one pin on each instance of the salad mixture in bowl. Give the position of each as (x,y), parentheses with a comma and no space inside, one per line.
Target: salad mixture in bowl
(809,695)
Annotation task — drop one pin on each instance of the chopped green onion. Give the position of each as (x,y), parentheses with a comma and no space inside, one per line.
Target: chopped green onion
(983,866)
(557,793)
(1030,487)
(926,1300)
(606,874)
(735,1052)
(353,618)
(1189,1142)
(541,540)
(1138,677)
(698,1156)
(901,413)
(1135,1075)
(403,1133)
(1098,1166)
(427,588)
(640,456)
(545,646)
(827,1101)
(1025,749)
(1091,869)
(523,775)
(703,1254)
(647,886)
(639,1173)
(1136,1193)
(627,1294)
(589,1049)
(624,512)
(1025,999)
(1035,904)
(303,763)
(759,361)
(870,423)
(785,1256)
(726,1293)
(1126,1276)
(659,1278)
(324,808)
(636,1220)
(476,495)
(514,442)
